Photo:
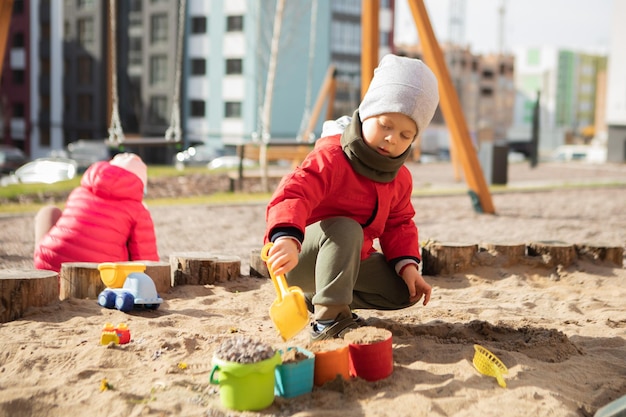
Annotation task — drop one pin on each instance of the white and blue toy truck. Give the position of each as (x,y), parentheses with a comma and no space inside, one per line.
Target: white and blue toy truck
(138,289)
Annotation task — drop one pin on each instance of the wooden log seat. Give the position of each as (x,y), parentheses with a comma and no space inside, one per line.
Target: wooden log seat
(21,289)
(502,254)
(202,268)
(447,258)
(258,267)
(600,253)
(553,252)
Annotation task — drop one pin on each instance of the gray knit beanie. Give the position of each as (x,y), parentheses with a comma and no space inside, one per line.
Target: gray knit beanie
(402,85)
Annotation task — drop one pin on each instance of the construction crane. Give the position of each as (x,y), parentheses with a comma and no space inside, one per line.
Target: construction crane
(456,22)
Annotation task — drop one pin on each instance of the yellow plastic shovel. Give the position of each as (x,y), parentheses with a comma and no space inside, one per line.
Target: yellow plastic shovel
(288,311)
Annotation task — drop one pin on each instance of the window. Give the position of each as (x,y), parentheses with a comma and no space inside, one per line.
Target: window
(234,23)
(84,107)
(84,70)
(198,66)
(197,108)
(18,7)
(135,5)
(533,57)
(157,110)
(18,110)
(82,4)
(198,24)
(346,37)
(232,109)
(45,67)
(18,76)
(45,30)
(66,104)
(234,66)
(18,40)
(134,51)
(85,32)
(158,28)
(158,69)
(44,136)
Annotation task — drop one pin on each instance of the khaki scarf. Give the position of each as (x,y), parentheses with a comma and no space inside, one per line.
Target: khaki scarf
(365,160)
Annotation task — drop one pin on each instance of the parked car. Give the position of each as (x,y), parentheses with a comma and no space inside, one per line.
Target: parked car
(198,155)
(42,170)
(86,152)
(229,162)
(11,158)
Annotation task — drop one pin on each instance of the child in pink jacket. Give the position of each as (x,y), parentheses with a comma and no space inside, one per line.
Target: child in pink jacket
(352,189)
(104,220)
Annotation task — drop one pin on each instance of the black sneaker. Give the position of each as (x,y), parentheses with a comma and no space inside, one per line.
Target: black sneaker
(335,330)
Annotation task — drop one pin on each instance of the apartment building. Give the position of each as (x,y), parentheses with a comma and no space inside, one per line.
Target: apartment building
(228,57)
(70,61)
(616,93)
(484,85)
(567,85)
(15,83)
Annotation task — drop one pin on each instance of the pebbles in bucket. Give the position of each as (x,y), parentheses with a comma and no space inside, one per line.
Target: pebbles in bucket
(242,349)
(244,369)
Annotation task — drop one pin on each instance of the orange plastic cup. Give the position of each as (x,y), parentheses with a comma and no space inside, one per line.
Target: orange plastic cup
(329,364)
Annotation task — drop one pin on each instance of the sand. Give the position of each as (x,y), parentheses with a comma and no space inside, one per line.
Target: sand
(561,332)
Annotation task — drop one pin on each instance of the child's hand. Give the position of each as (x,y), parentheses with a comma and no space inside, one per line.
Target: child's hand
(416,284)
(283,256)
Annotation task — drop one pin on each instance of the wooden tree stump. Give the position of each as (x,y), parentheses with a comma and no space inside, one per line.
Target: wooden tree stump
(21,289)
(601,253)
(554,253)
(258,267)
(505,254)
(202,268)
(227,268)
(80,280)
(160,274)
(447,258)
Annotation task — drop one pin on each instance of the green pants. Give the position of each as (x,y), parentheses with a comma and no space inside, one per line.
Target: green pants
(331,273)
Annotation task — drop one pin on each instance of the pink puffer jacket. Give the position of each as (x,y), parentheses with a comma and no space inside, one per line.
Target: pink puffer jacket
(104,220)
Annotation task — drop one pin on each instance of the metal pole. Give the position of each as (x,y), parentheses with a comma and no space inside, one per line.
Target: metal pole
(269,87)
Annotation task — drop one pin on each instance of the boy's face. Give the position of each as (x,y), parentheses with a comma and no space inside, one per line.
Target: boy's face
(389,134)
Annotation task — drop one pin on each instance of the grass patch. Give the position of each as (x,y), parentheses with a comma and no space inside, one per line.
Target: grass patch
(217,198)
(14,191)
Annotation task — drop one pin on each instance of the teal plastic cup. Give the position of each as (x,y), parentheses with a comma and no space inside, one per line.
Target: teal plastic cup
(295,378)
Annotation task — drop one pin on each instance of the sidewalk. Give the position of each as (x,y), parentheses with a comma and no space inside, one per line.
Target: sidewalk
(441,175)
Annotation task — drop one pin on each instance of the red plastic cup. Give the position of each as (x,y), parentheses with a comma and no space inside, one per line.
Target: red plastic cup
(371,361)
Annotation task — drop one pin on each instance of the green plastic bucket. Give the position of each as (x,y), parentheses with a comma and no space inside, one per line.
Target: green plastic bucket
(245,386)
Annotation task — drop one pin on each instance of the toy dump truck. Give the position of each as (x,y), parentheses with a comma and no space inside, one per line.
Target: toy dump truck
(138,289)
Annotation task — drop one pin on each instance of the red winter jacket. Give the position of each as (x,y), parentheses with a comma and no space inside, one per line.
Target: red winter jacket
(104,220)
(325,185)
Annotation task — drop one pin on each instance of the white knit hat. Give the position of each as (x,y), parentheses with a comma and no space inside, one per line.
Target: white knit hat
(132,163)
(402,85)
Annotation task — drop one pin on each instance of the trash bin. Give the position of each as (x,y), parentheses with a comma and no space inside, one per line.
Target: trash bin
(493,157)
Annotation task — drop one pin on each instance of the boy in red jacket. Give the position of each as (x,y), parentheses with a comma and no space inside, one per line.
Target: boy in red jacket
(351,189)
(104,220)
